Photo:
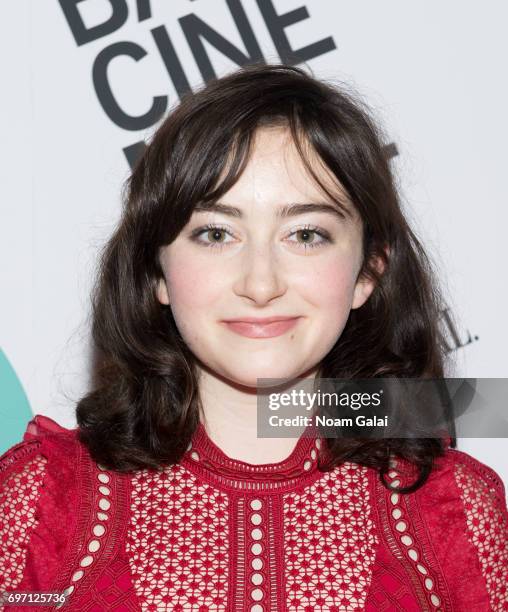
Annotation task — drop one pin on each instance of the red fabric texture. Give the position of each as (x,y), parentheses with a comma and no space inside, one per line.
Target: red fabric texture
(212,533)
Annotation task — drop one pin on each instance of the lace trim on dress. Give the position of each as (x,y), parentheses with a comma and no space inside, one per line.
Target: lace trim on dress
(205,459)
(405,536)
(100,518)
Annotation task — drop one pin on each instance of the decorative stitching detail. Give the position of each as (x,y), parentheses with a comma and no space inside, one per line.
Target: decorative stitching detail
(100,525)
(206,460)
(17,452)
(402,529)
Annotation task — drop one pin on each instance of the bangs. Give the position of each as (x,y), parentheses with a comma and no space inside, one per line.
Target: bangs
(233,164)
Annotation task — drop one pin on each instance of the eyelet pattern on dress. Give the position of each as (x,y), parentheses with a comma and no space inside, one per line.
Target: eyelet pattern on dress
(402,529)
(100,525)
(45,486)
(188,540)
(256,571)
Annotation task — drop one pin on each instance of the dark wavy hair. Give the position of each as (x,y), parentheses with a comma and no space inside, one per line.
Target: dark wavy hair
(144,404)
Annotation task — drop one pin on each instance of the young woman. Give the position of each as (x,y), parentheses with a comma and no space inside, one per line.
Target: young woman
(262,237)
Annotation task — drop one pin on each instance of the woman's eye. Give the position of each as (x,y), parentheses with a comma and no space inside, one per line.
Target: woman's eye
(215,236)
(310,237)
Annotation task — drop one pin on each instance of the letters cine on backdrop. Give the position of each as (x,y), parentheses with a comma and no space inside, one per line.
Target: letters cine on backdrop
(91,93)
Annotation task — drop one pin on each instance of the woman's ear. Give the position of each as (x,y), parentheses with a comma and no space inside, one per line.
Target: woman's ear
(365,286)
(162,292)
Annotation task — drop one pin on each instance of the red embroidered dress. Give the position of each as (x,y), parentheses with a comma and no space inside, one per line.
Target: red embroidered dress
(216,534)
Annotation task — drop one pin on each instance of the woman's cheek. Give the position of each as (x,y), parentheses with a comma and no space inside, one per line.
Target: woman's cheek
(191,282)
(330,285)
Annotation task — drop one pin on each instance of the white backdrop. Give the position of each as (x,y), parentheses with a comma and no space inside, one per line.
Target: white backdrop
(434,72)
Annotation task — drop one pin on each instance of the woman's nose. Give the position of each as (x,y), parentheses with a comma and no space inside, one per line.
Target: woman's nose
(260,276)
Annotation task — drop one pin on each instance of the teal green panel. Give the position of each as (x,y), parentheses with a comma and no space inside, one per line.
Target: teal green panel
(15,411)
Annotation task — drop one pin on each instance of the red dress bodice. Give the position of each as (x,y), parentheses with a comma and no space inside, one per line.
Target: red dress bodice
(215,534)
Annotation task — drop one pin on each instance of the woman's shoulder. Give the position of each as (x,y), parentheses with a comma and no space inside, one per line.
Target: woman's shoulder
(453,473)
(46,448)
(453,525)
(44,440)
(469,475)
(460,485)
(43,479)
(48,455)
(465,509)
(479,492)
(24,471)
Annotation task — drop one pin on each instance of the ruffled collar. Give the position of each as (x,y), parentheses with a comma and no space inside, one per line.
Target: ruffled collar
(205,459)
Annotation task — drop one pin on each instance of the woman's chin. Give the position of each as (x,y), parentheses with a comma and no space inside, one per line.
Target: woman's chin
(264,377)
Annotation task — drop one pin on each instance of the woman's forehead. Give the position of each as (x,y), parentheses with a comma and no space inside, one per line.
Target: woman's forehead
(275,172)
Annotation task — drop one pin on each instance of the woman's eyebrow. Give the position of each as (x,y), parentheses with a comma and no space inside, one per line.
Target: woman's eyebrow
(288,210)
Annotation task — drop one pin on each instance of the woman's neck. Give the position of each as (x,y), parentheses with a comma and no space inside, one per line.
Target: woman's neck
(229,416)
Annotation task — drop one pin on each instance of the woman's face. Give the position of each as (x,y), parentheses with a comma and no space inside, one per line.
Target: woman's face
(259,264)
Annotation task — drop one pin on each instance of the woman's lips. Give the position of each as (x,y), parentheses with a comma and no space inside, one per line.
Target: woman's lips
(261,330)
